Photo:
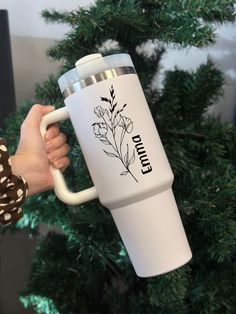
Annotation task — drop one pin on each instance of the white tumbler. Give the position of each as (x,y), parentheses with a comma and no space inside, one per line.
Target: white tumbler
(126,160)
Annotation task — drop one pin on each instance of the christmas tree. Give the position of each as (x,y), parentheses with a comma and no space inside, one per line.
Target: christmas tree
(84,267)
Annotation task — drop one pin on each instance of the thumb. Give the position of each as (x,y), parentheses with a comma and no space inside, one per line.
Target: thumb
(36,113)
(46,109)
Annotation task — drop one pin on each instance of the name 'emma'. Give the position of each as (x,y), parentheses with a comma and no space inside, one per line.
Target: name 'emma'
(146,166)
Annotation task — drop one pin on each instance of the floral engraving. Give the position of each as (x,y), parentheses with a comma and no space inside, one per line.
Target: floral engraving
(112,129)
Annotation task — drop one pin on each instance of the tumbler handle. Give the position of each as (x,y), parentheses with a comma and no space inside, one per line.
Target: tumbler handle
(60,187)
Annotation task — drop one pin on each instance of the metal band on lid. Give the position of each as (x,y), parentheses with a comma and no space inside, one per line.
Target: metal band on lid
(93,79)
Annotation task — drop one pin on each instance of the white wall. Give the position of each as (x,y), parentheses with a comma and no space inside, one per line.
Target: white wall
(31,36)
(25,16)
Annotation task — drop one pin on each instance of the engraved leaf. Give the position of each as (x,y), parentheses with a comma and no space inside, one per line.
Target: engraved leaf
(126,158)
(113,107)
(112,92)
(132,159)
(105,99)
(110,154)
(124,173)
(106,142)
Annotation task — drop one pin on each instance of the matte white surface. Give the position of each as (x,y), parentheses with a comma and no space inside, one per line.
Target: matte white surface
(153,234)
(60,187)
(141,201)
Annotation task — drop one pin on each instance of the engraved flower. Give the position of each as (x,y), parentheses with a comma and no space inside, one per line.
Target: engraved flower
(100,129)
(126,124)
(111,135)
(99,111)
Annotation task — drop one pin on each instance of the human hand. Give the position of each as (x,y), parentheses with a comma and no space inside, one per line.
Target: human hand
(33,154)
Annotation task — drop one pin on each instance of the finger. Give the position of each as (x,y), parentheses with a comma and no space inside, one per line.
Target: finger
(52,132)
(61,163)
(59,153)
(56,143)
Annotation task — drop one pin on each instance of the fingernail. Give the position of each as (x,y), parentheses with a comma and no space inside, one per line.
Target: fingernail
(48,136)
(57,164)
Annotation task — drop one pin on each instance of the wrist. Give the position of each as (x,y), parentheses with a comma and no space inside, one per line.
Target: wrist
(33,171)
(17,169)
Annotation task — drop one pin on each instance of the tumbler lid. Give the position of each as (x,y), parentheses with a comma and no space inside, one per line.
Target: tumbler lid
(153,234)
(91,65)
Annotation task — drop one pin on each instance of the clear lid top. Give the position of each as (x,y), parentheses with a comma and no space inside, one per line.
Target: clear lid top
(93,64)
